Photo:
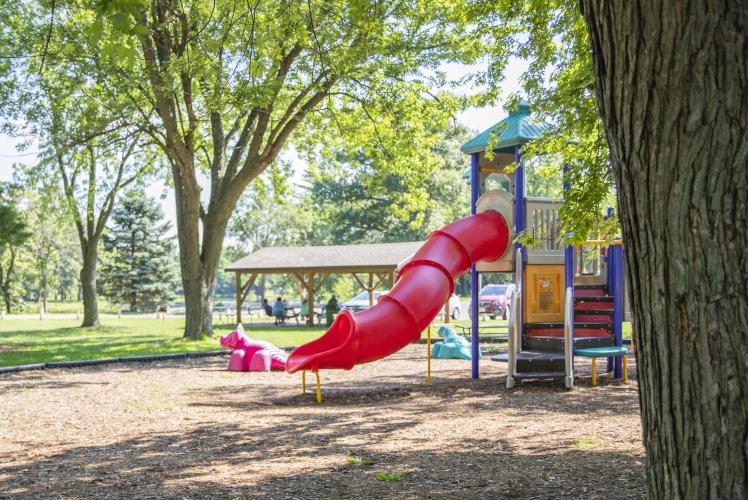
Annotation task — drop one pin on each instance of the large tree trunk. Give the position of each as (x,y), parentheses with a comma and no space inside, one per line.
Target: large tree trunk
(6,282)
(88,286)
(43,283)
(199,283)
(198,260)
(672,84)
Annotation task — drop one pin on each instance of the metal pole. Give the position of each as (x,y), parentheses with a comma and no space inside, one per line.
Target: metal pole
(428,355)
(616,251)
(519,226)
(474,337)
(569,273)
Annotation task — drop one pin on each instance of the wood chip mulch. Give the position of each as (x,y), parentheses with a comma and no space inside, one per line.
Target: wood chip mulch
(189,429)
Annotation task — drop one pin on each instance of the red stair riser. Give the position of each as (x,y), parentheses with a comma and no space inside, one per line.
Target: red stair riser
(593,318)
(595,292)
(591,306)
(578,332)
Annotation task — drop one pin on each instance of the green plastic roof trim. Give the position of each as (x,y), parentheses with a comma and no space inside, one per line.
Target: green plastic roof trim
(516,129)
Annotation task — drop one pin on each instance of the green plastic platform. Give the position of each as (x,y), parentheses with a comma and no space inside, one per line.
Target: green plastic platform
(601,352)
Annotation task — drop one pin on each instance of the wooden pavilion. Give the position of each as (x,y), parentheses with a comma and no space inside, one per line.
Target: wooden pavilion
(371,265)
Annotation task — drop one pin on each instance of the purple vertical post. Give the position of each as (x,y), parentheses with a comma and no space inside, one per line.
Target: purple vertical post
(615,260)
(474,302)
(569,270)
(611,284)
(519,226)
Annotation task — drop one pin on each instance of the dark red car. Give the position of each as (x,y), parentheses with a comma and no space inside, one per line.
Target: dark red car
(493,300)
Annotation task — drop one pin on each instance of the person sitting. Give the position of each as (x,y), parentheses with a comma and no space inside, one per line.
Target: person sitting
(304,310)
(279,312)
(331,309)
(267,307)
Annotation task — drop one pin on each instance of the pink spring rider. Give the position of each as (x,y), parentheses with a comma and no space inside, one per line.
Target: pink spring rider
(252,355)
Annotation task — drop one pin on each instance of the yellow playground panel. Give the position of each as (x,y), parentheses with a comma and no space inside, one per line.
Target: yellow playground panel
(545,293)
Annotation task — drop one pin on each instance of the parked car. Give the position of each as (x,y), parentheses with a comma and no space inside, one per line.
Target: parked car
(361,302)
(493,300)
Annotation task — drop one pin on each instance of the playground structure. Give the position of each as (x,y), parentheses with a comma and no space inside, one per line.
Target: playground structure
(556,309)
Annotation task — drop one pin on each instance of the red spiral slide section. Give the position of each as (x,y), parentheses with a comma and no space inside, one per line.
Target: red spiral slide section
(422,289)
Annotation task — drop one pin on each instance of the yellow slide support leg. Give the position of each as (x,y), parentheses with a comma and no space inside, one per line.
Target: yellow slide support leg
(428,355)
(319,388)
(625,369)
(303,381)
(594,372)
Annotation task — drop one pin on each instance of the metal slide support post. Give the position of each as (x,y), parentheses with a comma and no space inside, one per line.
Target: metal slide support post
(515,336)
(510,351)
(569,337)
(616,262)
(569,272)
(474,302)
(519,226)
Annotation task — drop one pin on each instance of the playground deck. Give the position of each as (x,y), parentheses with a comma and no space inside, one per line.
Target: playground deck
(190,429)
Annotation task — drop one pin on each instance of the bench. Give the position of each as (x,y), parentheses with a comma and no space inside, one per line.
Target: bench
(604,352)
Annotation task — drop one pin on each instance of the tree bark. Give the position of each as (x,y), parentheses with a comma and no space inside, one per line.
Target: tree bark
(43,281)
(199,250)
(5,281)
(672,81)
(88,285)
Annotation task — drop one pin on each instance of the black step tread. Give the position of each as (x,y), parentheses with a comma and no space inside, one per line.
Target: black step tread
(548,337)
(546,355)
(594,311)
(577,324)
(537,326)
(556,344)
(539,375)
(599,298)
(592,325)
(591,287)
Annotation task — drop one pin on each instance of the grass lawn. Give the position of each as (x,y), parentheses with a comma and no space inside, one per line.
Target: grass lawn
(25,341)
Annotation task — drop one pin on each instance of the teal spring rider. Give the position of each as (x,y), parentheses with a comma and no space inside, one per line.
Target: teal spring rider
(453,346)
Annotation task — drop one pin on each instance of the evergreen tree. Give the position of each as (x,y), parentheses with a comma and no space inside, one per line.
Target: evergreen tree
(141,270)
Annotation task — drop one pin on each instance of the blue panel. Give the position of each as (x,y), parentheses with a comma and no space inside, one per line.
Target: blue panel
(474,302)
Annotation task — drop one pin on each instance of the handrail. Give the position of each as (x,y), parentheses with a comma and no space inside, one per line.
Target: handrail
(569,338)
(598,243)
(515,334)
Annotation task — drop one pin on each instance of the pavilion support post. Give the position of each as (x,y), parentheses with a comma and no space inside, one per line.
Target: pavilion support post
(391,279)
(306,282)
(241,293)
(310,300)
(239,297)
(370,289)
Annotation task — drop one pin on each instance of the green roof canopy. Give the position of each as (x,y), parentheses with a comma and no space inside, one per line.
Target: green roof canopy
(516,129)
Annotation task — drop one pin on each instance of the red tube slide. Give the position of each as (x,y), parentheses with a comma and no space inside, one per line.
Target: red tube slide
(422,289)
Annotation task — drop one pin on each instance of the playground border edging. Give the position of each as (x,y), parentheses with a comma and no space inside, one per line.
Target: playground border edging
(106,361)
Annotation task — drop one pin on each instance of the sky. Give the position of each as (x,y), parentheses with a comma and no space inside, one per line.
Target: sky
(477,119)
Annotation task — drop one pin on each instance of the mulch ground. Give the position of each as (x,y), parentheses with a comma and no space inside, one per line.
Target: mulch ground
(189,429)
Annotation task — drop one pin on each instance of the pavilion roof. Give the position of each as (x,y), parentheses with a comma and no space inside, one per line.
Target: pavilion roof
(374,257)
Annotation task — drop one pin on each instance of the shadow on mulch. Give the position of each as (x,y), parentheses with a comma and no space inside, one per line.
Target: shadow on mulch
(180,466)
(609,398)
